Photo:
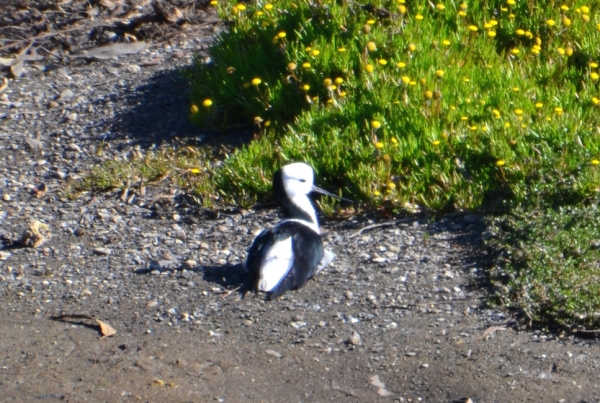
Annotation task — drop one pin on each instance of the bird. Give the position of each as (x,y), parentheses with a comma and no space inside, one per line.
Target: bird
(286,256)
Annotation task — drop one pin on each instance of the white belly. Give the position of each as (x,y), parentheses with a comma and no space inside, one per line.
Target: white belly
(276,265)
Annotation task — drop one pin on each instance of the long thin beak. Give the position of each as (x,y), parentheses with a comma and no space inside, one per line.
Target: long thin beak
(324,192)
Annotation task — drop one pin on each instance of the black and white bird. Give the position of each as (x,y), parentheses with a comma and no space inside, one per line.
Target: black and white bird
(288,255)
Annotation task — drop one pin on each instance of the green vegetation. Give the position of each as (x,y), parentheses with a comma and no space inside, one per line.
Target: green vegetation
(442,105)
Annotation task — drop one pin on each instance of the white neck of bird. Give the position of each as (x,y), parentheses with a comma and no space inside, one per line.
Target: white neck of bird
(304,204)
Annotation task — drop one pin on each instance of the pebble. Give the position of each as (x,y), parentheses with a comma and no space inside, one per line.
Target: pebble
(65,95)
(355,339)
(102,251)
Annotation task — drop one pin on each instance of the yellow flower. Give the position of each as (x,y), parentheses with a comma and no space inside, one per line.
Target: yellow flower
(241,7)
(394,140)
(566,22)
(419,17)
(463,6)
(473,128)
(462,13)
(379,145)
(550,23)
(402,9)
(339,80)
(369,68)
(315,52)
(507,125)
(214,2)
(539,105)
(195,171)
(401,65)
(511,2)
(569,51)
(412,47)
(496,113)
(564,7)
(207,102)
(341,49)
(440,6)
(558,110)
(435,142)
(595,101)
(473,28)
(268,6)
(439,73)
(391,185)
(256,81)
(306,87)
(515,51)
(428,94)
(292,66)
(405,79)
(516,89)
(376,193)
(560,51)
(281,35)
(519,111)
(446,42)
(464,118)
(595,162)
(383,62)
(327,82)
(371,46)
(585,9)
(306,65)
(343,94)
(594,76)
(491,33)
(520,32)
(500,163)
(594,65)
(375,124)
(260,13)
(193,109)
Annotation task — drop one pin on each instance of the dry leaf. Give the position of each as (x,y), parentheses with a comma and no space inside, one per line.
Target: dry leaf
(491,330)
(382,391)
(105,329)
(116,49)
(36,234)
(4,84)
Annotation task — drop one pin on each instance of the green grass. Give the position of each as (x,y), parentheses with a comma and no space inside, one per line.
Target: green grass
(439,105)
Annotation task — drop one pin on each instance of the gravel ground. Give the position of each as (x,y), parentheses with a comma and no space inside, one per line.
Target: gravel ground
(399,316)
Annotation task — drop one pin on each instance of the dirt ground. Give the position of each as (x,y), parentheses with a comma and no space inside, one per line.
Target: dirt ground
(400,316)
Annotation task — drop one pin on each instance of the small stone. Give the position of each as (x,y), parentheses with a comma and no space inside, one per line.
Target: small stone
(6,197)
(72,116)
(133,68)
(273,353)
(66,95)
(52,104)
(349,294)
(355,339)
(191,263)
(102,251)
(424,365)
(86,292)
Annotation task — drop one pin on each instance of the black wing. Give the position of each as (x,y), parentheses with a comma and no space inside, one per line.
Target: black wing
(308,252)
(257,253)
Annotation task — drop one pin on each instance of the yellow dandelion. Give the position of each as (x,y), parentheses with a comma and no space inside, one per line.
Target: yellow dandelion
(402,9)
(446,42)
(383,62)
(569,51)
(371,46)
(594,76)
(341,49)
(550,23)
(473,128)
(594,65)
(585,9)
(412,82)
(375,124)
(566,21)
(315,52)
(256,81)
(306,65)
(558,110)
(207,102)
(282,35)
(515,51)
(391,185)
(343,94)
(379,145)
(507,125)
(491,33)
(585,17)
(439,73)
(369,68)
(440,6)
(539,105)
(292,66)
(193,109)
(595,162)
(418,17)
(268,6)
(405,79)
(214,2)
(473,28)
(428,94)
(412,47)
(496,113)
(560,51)
(436,142)
(520,32)
(339,80)
(376,193)
(327,82)
(519,111)
(564,7)
(500,163)
(306,87)
(511,2)
(401,65)
(462,13)
(595,101)
(394,140)
(241,7)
